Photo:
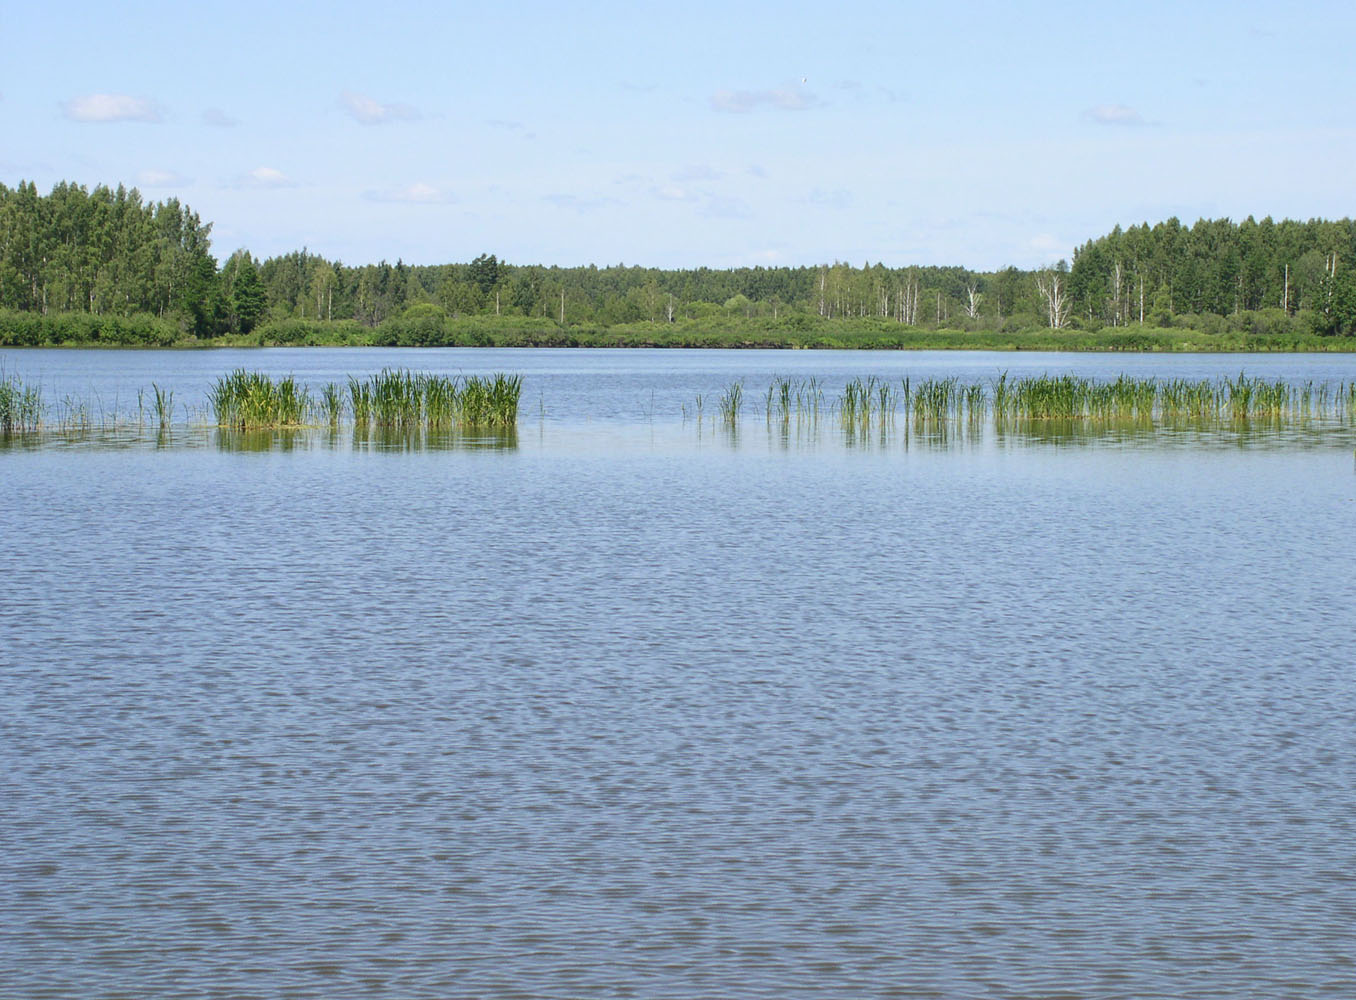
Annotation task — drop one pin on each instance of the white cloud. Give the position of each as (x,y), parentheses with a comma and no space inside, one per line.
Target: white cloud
(583,206)
(110,108)
(743,101)
(267,177)
(417,193)
(720,207)
(671,192)
(1047,245)
(697,172)
(161,178)
(838,198)
(368,111)
(218,118)
(1114,114)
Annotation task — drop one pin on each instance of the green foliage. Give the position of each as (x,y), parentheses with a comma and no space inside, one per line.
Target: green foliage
(483,272)
(112,260)
(246,299)
(105,252)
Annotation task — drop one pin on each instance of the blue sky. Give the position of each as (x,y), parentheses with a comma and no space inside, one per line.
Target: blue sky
(717,134)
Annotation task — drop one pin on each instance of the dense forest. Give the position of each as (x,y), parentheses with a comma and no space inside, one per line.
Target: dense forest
(103,265)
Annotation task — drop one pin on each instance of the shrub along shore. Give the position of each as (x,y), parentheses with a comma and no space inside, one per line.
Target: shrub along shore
(427,328)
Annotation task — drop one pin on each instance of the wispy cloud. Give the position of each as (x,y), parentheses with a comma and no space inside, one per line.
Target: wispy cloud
(369,111)
(583,206)
(417,193)
(720,207)
(741,102)
(266,178)
(838,198)
(111,108)
(162,178)
(672,192)
(1114,114)
(697,172)
(218,119)
(1047,244)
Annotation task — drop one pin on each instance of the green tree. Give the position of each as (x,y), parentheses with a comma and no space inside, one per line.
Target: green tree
(484,273)
(244,292)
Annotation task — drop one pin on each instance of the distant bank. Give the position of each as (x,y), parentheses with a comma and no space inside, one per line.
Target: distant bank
(22,329)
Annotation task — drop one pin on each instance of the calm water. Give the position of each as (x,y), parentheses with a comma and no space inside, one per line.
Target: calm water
(619,708)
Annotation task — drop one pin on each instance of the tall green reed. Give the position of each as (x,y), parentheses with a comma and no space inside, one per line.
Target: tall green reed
(21,406)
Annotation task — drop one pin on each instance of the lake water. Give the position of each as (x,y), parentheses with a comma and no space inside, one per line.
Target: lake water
(628,707)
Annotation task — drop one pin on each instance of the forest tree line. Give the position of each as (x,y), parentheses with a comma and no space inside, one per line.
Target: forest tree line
(106,252)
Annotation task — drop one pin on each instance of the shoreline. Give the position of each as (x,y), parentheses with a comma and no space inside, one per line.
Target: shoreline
(45,333)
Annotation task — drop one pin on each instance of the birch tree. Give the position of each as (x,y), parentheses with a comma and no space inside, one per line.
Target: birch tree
(973,297)
(1053,291)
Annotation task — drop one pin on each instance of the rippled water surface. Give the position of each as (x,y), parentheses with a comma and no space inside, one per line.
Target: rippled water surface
(618,707)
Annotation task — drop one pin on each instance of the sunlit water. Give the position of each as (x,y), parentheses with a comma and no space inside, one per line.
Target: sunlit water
(624,706)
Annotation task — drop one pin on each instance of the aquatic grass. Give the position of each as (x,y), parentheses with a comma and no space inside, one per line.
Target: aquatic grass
(331,403)
(247,400)
(867,402)
(75,416)
(810,399)
(21,406)
(731,400)
(164,405)
(935,400)
(973,401)
(403,399)
(779,399)
(802,399)
(439,400)
(491,401)
(360,399)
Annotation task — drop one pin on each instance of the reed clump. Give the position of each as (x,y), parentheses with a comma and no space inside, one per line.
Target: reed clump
(799,398)
(491,401)
(731,401)
(330,405)
(935,403)
(936,400)
(245,400)
(403,399)
(867,402)
(164,405)
(21,406)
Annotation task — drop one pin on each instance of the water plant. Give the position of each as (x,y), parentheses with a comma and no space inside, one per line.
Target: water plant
(164,405)
(20,405)
(331,403)
(731,400)
(398,398)
(491,401)
(246,400)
